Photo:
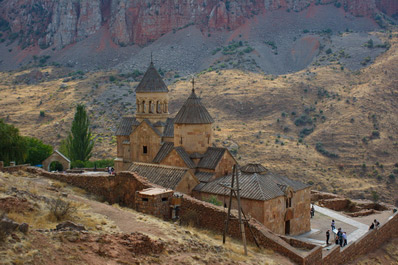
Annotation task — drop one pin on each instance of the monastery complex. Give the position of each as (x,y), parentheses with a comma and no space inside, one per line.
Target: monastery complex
(178,153)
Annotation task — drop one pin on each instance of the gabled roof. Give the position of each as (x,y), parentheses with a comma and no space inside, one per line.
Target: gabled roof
(193,112)
(169,128)
(64,157)
(150,125)
(165,176)
(151,82)
(253,186)
(125,126)
(204,176)
(164,150)
(294,184)
(185,157)
(211,158)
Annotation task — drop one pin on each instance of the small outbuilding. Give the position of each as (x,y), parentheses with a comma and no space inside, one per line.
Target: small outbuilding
(57,156)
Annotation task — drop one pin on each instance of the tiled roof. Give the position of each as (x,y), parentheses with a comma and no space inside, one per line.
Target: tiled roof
(211,158)
(165,176)
(169,129)
(253,186)
(204,176)
(151,82)
(193,112)
(125,125)
(184,156)
(164,150)
(294,184)
(253,168)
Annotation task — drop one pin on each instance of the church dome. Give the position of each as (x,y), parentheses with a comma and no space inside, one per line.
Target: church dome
(193,112)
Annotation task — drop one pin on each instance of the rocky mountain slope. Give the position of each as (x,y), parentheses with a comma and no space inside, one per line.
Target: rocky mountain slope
(61,23)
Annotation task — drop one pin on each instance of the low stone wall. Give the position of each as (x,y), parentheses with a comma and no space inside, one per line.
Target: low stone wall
(208,216)
(122,187)
(10,169)
(114,189)
(368,243)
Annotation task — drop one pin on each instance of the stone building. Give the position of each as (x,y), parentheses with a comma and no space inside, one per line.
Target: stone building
(56,156)
(178,154)
(151,136)
(281,204)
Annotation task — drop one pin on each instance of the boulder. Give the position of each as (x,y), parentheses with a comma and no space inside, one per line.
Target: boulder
(7,225)
(24,228)
(69,226)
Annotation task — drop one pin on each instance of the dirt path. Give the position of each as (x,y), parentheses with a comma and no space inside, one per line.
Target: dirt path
(127,222)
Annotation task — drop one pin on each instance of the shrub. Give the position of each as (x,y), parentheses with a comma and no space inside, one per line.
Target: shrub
(328,51)
(213,200)
(306,131)
(42,114)
(319,147)
(375,196)
(112,78)
(60,208)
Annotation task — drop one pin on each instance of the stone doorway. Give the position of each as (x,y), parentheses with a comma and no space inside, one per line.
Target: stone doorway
(287,227)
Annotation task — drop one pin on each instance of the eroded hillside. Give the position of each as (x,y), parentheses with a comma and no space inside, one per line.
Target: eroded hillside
(326,125)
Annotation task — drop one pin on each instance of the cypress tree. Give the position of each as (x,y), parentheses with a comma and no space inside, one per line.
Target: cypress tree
(79,143)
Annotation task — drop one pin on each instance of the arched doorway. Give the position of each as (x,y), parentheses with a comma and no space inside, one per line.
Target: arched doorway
(55,166)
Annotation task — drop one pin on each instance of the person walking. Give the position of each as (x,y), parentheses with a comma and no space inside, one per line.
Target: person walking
(327,237)
(340,235)
(333,225)
(345,239)
(312,211)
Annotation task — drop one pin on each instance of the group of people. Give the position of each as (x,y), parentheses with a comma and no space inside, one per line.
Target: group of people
(374,225)
(340,236)
(110,170)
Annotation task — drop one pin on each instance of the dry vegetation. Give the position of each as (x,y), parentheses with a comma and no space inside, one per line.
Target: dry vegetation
(328,126)
(27,198)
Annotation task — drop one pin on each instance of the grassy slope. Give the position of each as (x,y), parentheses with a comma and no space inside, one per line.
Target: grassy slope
(247,107)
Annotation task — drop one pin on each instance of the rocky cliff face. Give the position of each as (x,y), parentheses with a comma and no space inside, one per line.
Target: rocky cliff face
(62,22)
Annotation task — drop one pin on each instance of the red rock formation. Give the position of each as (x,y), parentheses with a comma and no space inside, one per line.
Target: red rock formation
(63,22)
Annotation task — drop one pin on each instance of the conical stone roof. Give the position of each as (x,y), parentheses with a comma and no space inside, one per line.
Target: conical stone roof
(151,82)
(193,112)
(253,168)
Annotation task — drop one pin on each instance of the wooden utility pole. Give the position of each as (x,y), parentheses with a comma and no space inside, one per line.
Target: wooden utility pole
(236,192)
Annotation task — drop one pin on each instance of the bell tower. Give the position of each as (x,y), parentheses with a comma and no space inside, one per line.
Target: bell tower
(152,97)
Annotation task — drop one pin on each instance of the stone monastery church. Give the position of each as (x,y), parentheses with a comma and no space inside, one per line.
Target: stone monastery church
(178,154)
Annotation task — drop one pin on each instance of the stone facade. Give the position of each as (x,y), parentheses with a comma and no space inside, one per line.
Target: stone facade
(144,143)
(193,137)
(152,106)
(56,156)
(273,213)
(154,201)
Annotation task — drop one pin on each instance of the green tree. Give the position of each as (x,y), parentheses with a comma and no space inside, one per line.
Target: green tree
(37,151)
(79,142)
(13,146)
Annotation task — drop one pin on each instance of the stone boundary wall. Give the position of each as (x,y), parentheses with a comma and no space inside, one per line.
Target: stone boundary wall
(122,187)
(114,189)
(208,216)
(367,243)
(10,169)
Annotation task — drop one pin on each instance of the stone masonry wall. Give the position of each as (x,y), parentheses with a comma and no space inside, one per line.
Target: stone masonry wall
(10,169)
(208,216)
(122,187)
